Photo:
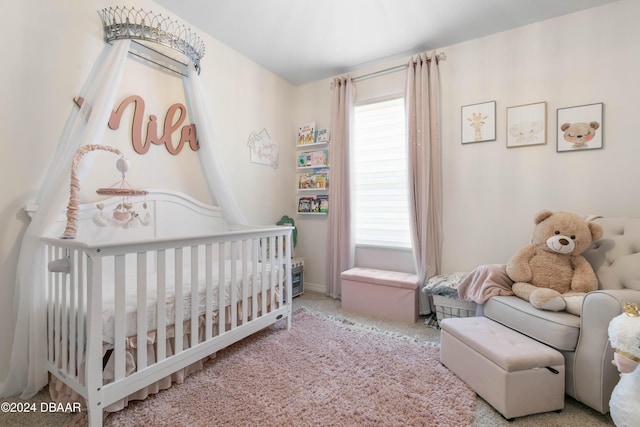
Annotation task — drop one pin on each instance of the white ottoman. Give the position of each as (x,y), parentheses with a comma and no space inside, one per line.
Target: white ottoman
(515,374)
(382,293)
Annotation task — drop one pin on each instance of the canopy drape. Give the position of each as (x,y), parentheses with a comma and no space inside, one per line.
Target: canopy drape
(208,154)
(87,125)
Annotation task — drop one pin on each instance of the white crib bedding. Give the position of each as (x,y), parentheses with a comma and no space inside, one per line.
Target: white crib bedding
(108,295)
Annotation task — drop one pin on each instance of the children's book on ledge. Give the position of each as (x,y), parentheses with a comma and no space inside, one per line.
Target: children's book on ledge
(313,159)
(307,134)
(314,204)
(322,136)
(318,178)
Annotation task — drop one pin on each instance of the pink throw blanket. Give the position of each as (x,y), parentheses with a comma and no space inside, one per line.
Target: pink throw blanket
(484,282)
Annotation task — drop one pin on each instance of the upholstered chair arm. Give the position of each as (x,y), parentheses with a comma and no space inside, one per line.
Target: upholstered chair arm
(594,375)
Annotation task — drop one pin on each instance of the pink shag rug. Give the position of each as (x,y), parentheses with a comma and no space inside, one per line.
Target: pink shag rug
(322,372)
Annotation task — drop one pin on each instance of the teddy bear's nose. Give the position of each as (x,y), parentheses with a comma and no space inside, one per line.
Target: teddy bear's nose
(563,241)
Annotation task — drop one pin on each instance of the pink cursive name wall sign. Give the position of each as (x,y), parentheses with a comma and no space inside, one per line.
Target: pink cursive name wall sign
(173,120)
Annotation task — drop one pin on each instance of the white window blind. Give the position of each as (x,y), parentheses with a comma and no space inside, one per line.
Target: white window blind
(380,204)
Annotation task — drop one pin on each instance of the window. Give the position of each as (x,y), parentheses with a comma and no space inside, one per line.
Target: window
(380,202)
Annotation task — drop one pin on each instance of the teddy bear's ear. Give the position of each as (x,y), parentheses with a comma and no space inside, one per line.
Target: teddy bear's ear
(542,215)
(565,126)
(594,125)
(596,230)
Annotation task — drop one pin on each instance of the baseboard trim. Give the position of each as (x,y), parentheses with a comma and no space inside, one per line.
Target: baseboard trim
(314,287)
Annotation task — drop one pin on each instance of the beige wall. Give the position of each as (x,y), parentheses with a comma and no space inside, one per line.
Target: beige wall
(490,192)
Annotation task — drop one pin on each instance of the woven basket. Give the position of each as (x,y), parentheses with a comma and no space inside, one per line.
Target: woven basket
(449,307)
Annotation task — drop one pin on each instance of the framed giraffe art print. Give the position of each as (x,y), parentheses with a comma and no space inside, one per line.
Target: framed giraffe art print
(479,122)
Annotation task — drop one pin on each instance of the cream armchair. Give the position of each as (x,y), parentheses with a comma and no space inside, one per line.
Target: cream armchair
(583,340)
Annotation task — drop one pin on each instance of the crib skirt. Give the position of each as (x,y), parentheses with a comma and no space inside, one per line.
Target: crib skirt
(61,393)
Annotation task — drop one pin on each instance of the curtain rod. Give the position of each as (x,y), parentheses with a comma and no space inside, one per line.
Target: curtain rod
(439,57)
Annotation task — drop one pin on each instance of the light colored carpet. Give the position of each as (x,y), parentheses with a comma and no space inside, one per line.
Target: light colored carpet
(574,413)
(320,373)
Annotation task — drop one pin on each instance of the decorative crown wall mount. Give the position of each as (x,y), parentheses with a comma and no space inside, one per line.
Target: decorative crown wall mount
(137,24)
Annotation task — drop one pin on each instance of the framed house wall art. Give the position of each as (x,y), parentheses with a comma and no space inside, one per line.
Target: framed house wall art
(527,125)
(479,122)
(580,128)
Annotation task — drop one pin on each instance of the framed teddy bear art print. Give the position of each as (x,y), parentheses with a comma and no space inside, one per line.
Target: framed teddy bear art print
(580,128)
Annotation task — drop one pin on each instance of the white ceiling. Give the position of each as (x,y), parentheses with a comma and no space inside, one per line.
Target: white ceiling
(308,40)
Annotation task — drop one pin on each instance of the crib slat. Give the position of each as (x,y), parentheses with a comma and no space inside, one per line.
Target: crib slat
(254,278)
(245,281)
(263,280)
(119,320)
(222,280)
(272,272)
(82,304)
(73,279)
(141,312)
(208,306)
(57,308)
(195,260)
(64,335)
(278,283)
(161,321)
(178,300)
(233,290)
(50,304)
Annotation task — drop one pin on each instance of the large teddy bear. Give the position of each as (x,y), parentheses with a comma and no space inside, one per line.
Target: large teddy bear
(624,335)
(549,272)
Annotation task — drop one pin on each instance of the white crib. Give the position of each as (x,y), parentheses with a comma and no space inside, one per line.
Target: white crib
(111,289)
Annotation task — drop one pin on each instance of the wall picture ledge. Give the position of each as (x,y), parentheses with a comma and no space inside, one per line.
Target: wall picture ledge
(527,125)
(479,122)
(580,128)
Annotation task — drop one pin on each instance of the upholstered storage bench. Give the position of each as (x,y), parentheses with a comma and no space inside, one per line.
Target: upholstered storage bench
(515,374)
(388,294)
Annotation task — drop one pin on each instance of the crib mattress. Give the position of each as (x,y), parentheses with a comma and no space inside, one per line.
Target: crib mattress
(131,299)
